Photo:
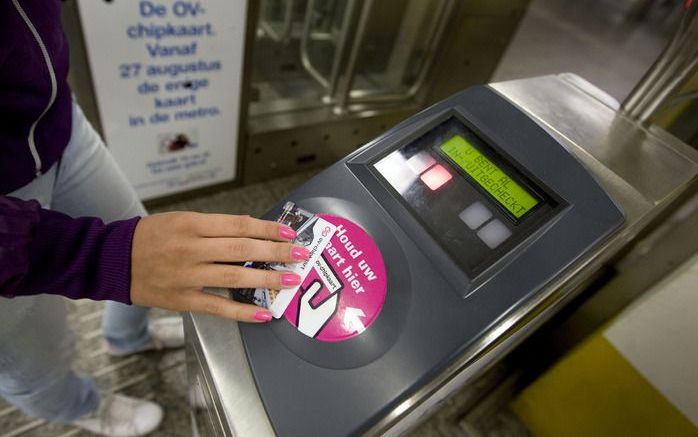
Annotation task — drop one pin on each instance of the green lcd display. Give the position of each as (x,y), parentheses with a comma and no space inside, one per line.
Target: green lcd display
(493,179)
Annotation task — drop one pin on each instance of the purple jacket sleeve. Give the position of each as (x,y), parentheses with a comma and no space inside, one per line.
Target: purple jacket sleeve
(44,251)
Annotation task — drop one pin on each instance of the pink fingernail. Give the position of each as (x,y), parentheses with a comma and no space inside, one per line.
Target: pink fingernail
(290,279)
(287,233)
(299,253)
(263,316)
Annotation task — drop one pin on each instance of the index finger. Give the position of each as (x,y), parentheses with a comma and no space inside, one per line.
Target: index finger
(223,225)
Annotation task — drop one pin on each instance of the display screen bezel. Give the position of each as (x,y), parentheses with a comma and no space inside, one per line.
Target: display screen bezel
(503,161)
(533,185)
(584,209)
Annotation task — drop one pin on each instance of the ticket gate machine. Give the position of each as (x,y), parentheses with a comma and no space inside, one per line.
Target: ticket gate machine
(489,211)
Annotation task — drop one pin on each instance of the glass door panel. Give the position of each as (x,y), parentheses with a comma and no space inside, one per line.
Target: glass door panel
(333,53)
(396,48)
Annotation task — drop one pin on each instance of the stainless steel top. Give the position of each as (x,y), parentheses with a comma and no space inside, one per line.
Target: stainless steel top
(238,402)
(651,162)
(643,169)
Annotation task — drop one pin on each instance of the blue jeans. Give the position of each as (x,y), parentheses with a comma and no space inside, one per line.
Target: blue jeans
(36,344)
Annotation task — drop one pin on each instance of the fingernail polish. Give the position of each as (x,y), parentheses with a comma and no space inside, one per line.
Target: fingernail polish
(299,253)
(287,233)
(263,316)
(290,279)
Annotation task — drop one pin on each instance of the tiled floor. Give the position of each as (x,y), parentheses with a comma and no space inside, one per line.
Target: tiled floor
(153,375)
(588,37)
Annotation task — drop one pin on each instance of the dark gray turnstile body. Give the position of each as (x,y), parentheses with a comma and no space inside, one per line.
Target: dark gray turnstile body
(430,339)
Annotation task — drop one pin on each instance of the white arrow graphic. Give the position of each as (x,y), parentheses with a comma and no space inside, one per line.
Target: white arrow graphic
(312,319)
(352,321)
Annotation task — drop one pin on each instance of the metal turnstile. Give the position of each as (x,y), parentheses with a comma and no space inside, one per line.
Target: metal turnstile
(632,175)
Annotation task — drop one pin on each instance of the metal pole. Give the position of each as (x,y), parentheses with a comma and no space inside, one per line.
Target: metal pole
(671,70)
(344,87)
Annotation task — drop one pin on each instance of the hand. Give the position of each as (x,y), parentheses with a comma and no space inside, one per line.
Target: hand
(175,255)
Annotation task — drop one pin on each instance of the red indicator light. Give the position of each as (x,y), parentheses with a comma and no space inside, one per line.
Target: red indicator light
(436,177)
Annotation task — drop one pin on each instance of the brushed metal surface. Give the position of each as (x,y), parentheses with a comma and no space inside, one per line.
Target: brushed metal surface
(235,407)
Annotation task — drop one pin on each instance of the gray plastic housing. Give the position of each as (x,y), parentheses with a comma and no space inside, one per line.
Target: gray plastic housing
(433,311)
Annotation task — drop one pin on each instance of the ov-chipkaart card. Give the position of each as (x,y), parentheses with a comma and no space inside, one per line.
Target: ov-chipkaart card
(312,232)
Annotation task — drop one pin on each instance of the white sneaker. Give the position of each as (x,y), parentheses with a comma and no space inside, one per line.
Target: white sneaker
(165,333)
(122,416)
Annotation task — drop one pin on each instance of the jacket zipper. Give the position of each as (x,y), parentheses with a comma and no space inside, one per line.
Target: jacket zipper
(54,86)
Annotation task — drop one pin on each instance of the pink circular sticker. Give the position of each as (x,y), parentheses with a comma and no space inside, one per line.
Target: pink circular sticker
(345,291)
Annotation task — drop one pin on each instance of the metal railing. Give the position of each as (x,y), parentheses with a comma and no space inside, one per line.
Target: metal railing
(329,83)
(284,34)
(339,84)
(677,63)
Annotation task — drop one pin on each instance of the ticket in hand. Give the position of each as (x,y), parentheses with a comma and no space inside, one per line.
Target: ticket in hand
(314,233)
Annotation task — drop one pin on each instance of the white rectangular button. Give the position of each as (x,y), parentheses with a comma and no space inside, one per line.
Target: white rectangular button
(475,215)
(494,233)
(420,162)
